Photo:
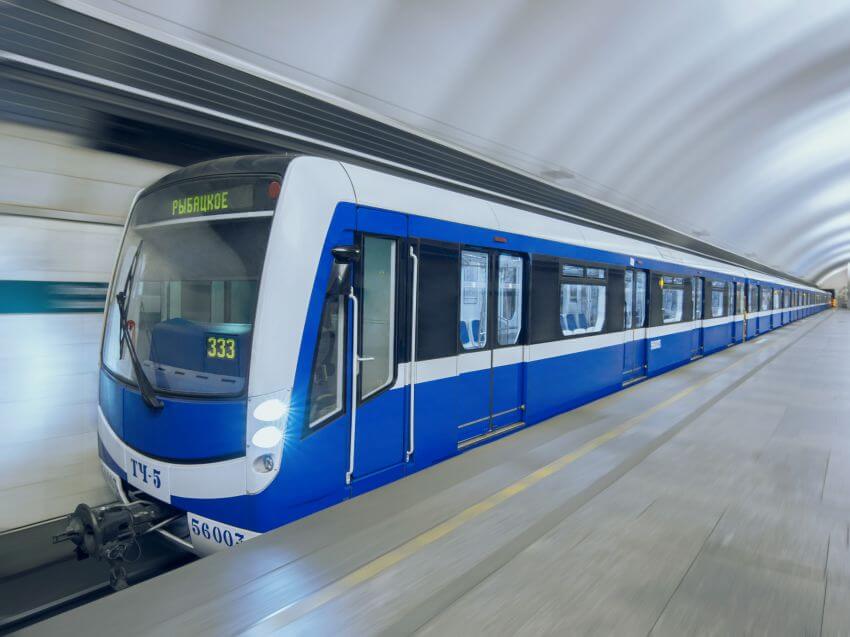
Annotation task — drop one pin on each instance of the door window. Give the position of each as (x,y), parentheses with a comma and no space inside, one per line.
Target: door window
(509,311)
(326,378)
(630,292)
(474,277)
(377,315)
(640,299)
(697,298)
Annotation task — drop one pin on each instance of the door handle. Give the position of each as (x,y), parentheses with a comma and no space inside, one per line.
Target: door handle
(365,358)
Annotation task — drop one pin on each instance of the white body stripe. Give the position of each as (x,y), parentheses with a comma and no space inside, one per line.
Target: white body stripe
(540,351)
(435,369)
(473,361)
(508,355)
(673,328)
(714,322)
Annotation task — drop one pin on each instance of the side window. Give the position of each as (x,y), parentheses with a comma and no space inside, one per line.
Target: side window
(672,299)
(377,314)
(437,306)
(543,300)
(718,298)
(582,300)
(509,311)
(326,377)
(672,304)
(474,278)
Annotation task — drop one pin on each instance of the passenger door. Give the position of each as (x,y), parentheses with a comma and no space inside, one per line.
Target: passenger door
(490,329)
(634,342)
(508,379)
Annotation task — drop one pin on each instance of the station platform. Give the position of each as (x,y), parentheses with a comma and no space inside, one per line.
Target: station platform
(714,499)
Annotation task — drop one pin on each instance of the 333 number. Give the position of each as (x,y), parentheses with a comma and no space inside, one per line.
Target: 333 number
(219,347)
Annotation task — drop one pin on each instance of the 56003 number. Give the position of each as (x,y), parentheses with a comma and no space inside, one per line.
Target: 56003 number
(213,532)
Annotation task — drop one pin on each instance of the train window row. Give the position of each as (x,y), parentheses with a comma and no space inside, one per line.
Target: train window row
(567,299)
(467,294)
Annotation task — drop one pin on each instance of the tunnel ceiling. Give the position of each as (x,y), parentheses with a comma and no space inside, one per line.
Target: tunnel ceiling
(727,120)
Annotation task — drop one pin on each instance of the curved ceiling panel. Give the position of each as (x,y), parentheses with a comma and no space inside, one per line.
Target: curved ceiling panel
(728,120)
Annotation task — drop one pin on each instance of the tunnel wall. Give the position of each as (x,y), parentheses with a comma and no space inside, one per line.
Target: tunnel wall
(61,216)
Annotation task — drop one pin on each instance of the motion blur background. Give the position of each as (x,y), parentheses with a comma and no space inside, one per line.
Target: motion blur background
(727,121)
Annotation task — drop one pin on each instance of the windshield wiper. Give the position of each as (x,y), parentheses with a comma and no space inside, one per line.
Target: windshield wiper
(128,284)
(148,393)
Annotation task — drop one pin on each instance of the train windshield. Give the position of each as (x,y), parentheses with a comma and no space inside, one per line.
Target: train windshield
(189,269)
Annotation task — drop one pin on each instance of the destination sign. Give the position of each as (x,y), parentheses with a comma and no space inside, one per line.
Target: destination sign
(208,197)
(194,204)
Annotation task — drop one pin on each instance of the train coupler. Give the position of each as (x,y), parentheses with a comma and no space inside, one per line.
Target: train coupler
(109,532)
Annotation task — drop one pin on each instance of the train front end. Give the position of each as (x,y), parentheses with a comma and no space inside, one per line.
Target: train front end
(176,426)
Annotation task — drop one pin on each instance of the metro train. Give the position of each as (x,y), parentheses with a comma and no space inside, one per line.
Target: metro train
(286,332)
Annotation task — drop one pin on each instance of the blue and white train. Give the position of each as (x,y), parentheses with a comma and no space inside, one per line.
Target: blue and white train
(285,332)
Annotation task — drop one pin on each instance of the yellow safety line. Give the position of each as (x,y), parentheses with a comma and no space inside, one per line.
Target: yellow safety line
(299,608)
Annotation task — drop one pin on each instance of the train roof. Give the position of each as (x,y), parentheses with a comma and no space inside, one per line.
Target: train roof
(243,164)
(379,189)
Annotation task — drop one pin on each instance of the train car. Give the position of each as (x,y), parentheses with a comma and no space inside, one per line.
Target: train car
(285,332)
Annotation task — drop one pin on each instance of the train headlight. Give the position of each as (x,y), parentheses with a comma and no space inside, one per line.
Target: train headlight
(270,410)
(267,437)
(265,434)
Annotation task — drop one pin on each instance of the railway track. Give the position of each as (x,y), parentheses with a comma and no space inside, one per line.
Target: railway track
(39,579)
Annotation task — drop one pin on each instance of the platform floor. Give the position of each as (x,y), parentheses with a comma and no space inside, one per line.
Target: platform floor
(712,500)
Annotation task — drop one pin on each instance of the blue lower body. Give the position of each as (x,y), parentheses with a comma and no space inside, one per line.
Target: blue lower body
(312,474)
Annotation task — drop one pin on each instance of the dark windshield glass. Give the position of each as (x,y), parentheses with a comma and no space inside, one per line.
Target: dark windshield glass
(191,303)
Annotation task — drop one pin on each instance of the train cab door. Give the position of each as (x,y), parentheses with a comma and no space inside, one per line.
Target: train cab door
(490,370)
(634,321)
(378,400)
(698,285)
